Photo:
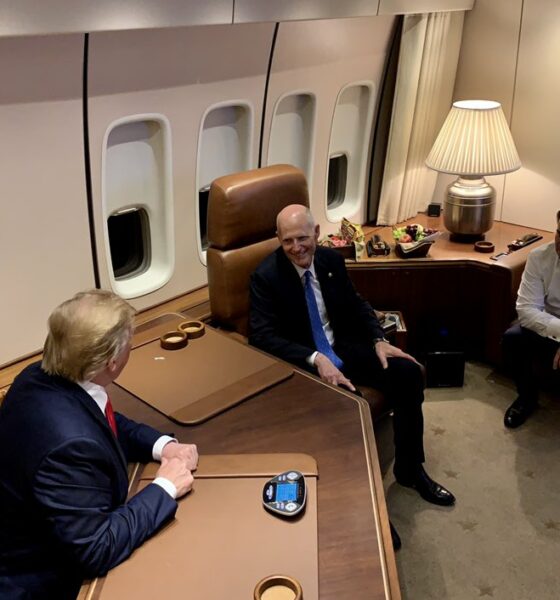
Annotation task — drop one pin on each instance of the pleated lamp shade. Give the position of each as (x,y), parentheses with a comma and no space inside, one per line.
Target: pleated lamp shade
(474,140)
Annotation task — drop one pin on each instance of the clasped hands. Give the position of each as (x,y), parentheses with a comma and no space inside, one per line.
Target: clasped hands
(178,461)
(329,373)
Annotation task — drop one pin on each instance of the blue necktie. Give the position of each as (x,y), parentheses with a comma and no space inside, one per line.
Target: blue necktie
(319,337)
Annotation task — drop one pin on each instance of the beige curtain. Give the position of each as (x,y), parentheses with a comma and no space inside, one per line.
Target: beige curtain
(424,89)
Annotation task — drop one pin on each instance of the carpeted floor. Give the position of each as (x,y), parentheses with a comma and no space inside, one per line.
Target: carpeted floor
(502,538)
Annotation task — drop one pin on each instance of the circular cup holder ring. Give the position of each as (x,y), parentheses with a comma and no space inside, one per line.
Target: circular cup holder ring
(484,247)
(278,587)
(173,340)
(193,329)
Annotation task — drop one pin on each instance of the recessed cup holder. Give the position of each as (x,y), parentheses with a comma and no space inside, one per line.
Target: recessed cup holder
(278,587)
(193,329)
(173,340)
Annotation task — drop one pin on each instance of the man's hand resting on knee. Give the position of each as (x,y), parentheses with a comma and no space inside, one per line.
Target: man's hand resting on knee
(329,373)
(384,350)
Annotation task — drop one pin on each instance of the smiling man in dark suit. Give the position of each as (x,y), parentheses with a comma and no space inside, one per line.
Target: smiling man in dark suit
(304,309)
(63,458)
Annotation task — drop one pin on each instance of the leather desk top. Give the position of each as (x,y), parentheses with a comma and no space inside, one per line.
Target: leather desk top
(191,384)
(222,541)
(303,415)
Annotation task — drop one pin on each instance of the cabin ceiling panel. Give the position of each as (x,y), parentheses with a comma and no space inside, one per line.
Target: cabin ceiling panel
(532,193)
(177,73)
(45,243)
(251,11)
(404,7)
(320,58)
(29,17)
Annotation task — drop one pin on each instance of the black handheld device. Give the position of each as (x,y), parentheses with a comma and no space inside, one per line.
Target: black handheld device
(285,494)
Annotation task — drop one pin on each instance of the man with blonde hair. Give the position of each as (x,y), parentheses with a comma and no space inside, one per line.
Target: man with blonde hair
(63,458)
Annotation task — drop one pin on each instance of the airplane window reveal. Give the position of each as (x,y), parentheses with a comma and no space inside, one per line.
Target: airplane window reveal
(129,239)
(203,195)
(338,172)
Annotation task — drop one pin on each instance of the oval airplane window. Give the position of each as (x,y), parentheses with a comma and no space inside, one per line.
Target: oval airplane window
(292,132)
(224,147)
(348,151)
(137,203)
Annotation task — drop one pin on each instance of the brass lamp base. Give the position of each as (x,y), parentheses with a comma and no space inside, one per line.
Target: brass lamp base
(468,210)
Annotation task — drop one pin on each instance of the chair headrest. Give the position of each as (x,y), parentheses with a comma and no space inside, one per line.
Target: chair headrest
(242,207)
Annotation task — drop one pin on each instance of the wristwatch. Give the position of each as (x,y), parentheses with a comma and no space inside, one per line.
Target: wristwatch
(381,339)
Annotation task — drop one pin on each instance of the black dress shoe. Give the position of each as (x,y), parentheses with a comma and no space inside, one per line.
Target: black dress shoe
(395,537)
(429,489)
(519,412)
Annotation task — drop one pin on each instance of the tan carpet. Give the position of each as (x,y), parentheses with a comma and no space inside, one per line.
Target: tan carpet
(502,538)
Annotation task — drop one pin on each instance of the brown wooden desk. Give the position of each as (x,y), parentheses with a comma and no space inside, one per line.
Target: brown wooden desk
(303,415)
(454,288)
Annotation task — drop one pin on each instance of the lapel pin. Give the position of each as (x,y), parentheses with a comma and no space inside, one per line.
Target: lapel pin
(330,274)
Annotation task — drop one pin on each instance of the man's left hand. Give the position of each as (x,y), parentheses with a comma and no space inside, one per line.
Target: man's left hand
(384,350)
(186,452)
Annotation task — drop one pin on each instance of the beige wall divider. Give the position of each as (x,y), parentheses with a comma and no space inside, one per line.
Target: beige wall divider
(45,251)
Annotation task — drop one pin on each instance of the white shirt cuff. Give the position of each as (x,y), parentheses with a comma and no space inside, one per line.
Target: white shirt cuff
(310,360)
(166,485)
(159,445)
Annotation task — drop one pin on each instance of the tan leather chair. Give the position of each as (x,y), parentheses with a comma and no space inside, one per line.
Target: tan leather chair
(242,210)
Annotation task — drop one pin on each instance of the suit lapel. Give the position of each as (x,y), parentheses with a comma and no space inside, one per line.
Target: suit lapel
(294,295)
(92,409)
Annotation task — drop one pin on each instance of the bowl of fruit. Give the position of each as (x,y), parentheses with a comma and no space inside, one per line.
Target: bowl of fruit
(414,240)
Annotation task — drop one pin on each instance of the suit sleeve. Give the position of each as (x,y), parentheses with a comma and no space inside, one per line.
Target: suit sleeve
(265,331)
(136,439)
(75,491)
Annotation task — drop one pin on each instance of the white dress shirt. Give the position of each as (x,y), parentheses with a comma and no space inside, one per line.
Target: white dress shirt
(99,395)
(538,299)
(320,305)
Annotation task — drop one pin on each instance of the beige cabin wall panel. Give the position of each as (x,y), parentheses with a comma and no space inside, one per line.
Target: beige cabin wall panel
(532,193)
(178,73)
(486,69)
(32,17)
(45,243)
(321,58)
(404,7)
(251,11)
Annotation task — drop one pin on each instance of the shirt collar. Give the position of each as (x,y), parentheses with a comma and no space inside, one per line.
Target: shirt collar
(97,392)
(301,271)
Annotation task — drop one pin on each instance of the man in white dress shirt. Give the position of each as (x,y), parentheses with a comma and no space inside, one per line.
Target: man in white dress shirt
(532,346)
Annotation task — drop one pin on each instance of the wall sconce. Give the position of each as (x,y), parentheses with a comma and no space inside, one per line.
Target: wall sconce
(474,141)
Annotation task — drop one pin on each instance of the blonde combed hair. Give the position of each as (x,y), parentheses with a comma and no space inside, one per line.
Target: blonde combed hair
(85,333)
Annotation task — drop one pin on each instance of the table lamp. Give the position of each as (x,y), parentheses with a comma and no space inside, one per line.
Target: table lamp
(474,141)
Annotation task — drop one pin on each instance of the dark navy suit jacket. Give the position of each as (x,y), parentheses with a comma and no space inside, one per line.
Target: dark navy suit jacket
(279,322)
(63,489)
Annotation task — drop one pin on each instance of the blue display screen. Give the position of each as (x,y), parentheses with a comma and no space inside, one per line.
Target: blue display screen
(286,492)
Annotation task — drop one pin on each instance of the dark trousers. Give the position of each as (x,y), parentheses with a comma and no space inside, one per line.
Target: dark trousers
(402,383)
(528,356)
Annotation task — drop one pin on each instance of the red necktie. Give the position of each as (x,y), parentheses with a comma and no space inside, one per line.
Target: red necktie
(111,416)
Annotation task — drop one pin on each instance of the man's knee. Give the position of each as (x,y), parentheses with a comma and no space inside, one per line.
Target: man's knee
(407,374)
